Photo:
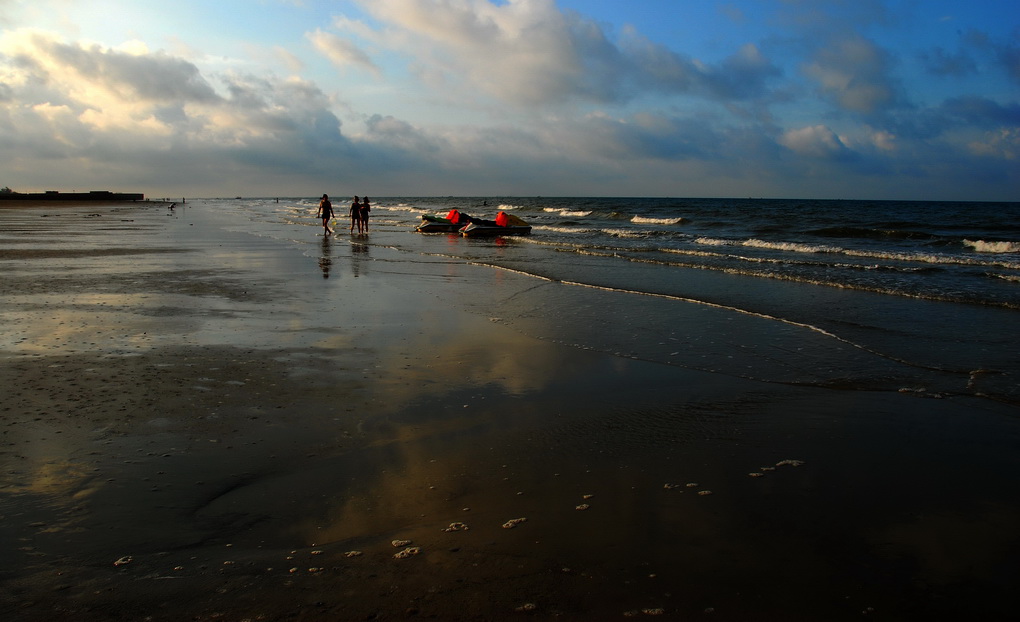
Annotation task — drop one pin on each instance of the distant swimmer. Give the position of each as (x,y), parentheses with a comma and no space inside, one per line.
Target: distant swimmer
(325,213)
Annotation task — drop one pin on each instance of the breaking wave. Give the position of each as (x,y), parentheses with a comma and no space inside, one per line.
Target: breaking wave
(641,220)
(981,246)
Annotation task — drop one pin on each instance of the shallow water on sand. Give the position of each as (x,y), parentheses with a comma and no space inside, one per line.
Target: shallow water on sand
(233,409)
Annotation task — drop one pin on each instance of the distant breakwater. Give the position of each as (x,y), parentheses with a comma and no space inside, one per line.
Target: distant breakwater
(53,195)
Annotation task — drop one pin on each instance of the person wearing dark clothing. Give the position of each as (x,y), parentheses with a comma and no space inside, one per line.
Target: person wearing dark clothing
(365,208)
(356,214)
(325,213)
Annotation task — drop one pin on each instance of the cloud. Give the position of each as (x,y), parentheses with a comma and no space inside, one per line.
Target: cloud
(137,75)
(976,47)
(528,53)
(342,53)
(292,62)
(942,63)
(511,96)
(816,141)
(854,72)
(980,112)
(135,114)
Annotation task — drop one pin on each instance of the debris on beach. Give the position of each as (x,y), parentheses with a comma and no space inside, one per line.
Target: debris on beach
(127,559)
(353,554)
(756,474)
(526,607)
(513,522)
(410,551)
(789,463)
(704,492)
(648,611)
(583,506)
(670,486)
(586,497)
(457,526)
(692,484)
(399,543)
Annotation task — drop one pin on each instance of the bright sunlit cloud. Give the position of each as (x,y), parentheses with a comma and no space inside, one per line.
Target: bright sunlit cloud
(877,99)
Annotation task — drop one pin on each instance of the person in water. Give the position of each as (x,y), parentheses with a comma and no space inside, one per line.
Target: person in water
(356,214)
(365,208)
(325,213)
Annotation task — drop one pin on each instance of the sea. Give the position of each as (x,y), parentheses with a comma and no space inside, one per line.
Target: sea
(751,287)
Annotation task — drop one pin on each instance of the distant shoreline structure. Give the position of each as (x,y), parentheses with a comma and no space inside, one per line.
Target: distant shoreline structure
(54,195)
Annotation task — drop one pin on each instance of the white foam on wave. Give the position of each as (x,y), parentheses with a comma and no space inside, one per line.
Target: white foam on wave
(982,246)
(765,316)
(642,220)
(566,212)
(399,207)
(624,233)
(713,242)
(931,258)
(570,230)
(790,246)
(934,259)
(507,206)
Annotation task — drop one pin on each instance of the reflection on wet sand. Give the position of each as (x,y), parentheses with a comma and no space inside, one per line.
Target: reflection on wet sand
(325,259)
(198,443)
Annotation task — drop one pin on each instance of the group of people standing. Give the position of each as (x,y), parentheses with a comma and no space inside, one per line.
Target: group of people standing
(359,213)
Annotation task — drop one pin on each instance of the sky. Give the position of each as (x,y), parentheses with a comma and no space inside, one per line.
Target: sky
(841,99)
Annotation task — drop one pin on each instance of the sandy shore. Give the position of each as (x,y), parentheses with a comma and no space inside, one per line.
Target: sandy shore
(197,425)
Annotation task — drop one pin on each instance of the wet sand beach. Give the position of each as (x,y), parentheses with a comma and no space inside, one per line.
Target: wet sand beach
(195,424)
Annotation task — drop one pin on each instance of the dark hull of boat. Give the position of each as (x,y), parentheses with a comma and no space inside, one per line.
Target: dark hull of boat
(478,231)
(436,227)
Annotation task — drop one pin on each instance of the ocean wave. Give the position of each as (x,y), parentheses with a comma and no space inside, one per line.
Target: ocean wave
(983,246)
(566,212)
(625,233)
(556,229)
(873,234)
(932,258)
(641,220)
(958,297)
(507,206)
(778,246)
(400,207)
(790,246)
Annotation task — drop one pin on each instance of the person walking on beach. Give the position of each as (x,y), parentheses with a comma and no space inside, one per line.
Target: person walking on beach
(356,214)
(325,213)
(365,207)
